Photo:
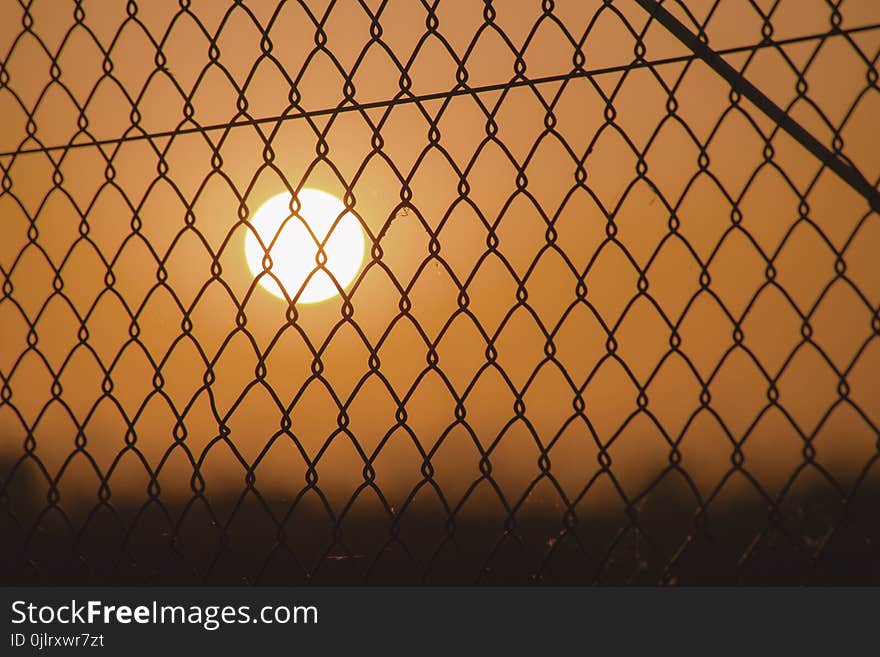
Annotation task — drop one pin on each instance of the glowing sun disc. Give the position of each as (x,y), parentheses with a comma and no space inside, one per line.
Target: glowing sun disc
(294,251)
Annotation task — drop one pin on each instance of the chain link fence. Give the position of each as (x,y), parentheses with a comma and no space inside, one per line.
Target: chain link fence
(616,322)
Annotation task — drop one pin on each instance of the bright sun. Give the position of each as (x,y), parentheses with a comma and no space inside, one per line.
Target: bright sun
(295,250)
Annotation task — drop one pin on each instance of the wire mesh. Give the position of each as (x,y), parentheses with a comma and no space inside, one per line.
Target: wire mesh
(614,325)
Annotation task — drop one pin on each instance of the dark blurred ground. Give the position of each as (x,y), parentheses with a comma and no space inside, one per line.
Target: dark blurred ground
(810,538)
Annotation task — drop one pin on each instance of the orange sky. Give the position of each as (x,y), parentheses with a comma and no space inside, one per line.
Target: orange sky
(803,252)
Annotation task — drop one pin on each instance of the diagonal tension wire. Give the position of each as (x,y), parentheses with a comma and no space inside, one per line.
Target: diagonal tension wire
(847,172)
(853,177)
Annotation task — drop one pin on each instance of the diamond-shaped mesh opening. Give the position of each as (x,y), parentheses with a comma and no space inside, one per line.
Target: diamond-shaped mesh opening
(615,321)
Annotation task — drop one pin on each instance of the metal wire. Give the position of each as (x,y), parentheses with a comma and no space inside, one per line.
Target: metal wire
(316,542)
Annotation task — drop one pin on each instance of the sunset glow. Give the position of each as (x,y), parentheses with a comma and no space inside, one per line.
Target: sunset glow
(292,241)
